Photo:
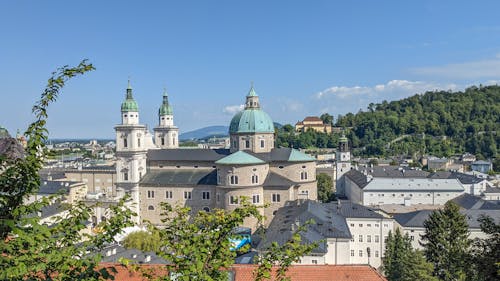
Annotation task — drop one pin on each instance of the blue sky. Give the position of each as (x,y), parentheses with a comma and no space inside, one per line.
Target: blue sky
(305,57)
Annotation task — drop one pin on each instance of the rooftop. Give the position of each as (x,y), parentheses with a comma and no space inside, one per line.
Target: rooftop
(179,177)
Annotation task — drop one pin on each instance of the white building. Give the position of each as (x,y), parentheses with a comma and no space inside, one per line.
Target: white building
(395,185)
(352,234)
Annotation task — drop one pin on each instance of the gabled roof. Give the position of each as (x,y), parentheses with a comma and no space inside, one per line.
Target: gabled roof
(417,218)
(296,213)
(297,156)
(274,179)
(313,118)
(239,158)
(471,202)
(490,189)
(179,177)
(349,209)
(189,154)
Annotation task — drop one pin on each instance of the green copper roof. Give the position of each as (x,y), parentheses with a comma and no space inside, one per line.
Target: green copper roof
(129,105)
(165,108)
(251,121)
(239,157)
(252,92)
(297,156)
(343,138)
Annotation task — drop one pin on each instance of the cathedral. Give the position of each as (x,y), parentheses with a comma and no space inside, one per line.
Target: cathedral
(153,169)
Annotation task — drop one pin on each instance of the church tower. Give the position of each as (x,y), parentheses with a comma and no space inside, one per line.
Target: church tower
(251,129)
(343,158)
(130,151)
(166,134)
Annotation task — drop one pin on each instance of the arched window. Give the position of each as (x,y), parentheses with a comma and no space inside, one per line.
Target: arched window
(303,175)
(234,180)
(151,208)
(138,142)
(124,142)
(247,144)
(162,141)
(206,209)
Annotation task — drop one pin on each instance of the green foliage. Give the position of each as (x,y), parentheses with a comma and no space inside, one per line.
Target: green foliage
(197,245)
(468,120)
(142,240)
(325,183)
(402,263)
(287,137)
(34,251)
(485,254)
(446,242)
(283,256)
(327,119)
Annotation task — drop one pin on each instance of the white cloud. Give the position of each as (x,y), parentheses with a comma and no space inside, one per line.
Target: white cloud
(489,68)
(342,99)
(233,109)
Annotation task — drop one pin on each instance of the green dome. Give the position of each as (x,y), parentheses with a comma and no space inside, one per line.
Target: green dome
(129,105)
(251,121)
(165,108)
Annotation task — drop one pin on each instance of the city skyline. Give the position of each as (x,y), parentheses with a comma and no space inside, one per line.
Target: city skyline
(304,59)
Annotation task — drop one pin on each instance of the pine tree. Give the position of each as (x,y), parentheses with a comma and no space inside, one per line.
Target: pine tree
(446,242)
(402,263)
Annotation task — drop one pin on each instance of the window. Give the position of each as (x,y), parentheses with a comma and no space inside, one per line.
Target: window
(162,141)
(151,208)
(385,239)
(376,238)
(314,261)
(124,142)
(256,198)
(247,144)
(303,175)
(360,238)
(187,195)
(255,179)
(352,253)
(262,143)
(360,225)
(138,142)
(276,198)
(377,225)
(386,225)
(205,195)
(125,176)
(234,179)
(151,194)
(206,209)
(140,175)
(218,197)
(168,194)
(412,238)
(376,254)
(360,253)
(352,224)
(368,238)
(233,200)
(369,225)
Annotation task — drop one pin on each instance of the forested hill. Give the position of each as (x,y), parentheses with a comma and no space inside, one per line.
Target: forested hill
(440,123)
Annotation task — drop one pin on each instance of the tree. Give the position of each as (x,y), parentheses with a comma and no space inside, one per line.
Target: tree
(446,242)
(142,240)
(325,183)
(34,251)
(327,119)
(402,263)
(485,254)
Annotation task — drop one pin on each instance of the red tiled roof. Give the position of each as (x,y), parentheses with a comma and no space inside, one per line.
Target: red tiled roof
(313,118)
(245,272)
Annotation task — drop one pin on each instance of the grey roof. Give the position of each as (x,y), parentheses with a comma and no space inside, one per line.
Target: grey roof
(357,177)
(274,179)
(349,209)
(471,202)
(188,154)
(481,162)
(296,213)
(417,218)
(179,177)
(491,189)
(463,178)
(11,148)
(53,187)
(394,172)
(113,254)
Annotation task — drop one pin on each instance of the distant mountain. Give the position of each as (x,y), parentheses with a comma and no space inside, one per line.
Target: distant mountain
(205,132)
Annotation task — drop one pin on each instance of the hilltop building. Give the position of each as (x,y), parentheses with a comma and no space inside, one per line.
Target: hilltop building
(313,123)
(203,179)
